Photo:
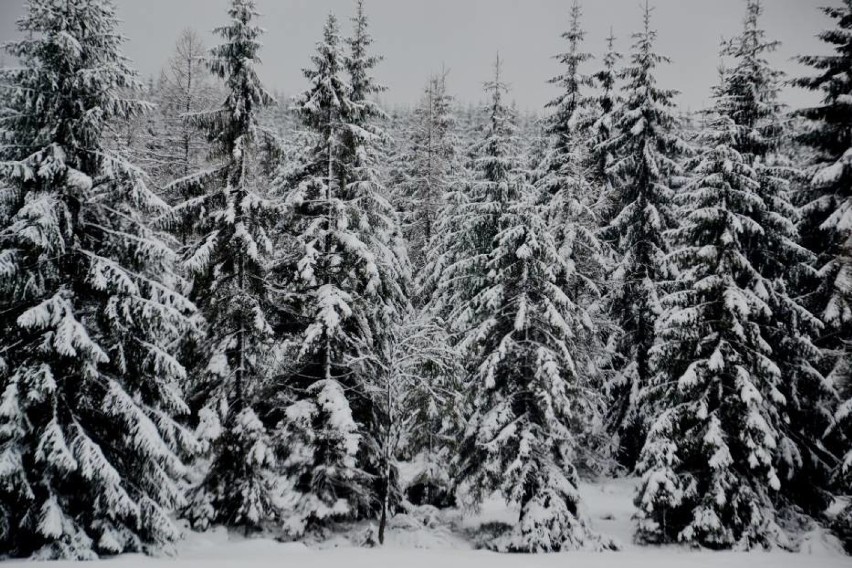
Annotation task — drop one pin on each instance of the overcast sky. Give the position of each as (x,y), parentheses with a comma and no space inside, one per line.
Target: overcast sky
(417,37)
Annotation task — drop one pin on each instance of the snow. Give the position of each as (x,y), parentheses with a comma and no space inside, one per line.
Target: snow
(416,541)
(50,524)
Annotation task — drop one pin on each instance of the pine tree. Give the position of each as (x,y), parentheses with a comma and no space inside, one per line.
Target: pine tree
(646,149)
(346,289)
(89,444)
(740,406)
(232,215)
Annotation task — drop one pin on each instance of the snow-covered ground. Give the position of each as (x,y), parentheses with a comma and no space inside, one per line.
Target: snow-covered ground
(412,545)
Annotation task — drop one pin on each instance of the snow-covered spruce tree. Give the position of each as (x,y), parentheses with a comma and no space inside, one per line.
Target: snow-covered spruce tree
(562,181)
(752,87)
(842,522)
(517,332)
(741,407)
(344,292)
(569,106)
(646,149)
(231,216)
(455,270)
(599,124)
(364,153)
(708,466)
(428,168)
(359,64)
(567,195)
(89,445)
(826,217)
(429,174)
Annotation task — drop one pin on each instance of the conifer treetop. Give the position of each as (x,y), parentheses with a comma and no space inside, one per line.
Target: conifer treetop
(753,86)
(571,81)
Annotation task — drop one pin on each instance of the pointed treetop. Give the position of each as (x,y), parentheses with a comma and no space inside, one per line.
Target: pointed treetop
(571,82)
(752,86)
(360,62)
(646,38)
(606,77)
(234,59)
(575,34)
(327,87)
(331,30)
(496,87)
(643,61)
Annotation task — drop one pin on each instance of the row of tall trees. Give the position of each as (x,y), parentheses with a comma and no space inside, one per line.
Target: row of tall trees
(252,316)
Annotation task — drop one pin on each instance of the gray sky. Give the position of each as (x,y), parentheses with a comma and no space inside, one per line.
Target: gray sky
(417,36)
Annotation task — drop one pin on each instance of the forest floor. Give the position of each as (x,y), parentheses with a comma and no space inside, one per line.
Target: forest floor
(443,541)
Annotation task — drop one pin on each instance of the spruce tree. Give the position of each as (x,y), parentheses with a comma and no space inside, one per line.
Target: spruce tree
(455,268)
(708,466)
(827,216)
(569,106)
(430,176)
(516,333)
(752,87)
(89,447)
(646,149)
(231,216)
(429,167)
(740,405)
(563,178)
(365,143)
(842,522)
(359,63)
(567,197)
(344,292)
(600,123)
(530,399)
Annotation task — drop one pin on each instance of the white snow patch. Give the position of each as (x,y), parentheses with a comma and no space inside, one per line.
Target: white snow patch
(413,541)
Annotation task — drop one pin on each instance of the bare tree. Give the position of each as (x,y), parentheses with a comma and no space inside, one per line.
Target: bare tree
(185,88)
